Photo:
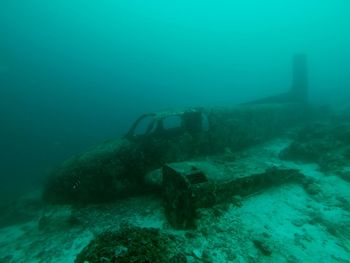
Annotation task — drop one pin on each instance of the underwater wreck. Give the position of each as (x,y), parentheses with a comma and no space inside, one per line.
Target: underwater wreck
(263,181)
(168,152)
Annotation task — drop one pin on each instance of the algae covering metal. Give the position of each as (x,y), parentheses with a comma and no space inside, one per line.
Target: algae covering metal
(188,186)
(117,168)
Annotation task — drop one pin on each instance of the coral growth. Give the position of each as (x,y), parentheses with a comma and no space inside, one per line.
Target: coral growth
(131,245)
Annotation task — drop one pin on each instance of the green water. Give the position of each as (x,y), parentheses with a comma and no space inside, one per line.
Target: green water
(73,73)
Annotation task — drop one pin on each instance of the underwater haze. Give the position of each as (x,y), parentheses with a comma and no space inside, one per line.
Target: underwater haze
(75,73)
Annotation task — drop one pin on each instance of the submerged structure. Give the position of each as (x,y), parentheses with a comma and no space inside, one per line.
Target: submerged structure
(189,186)
(118,168)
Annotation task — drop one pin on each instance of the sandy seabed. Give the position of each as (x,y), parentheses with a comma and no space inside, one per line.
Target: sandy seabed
(282,224)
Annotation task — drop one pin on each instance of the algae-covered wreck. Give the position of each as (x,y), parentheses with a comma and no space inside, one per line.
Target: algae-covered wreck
(117,168)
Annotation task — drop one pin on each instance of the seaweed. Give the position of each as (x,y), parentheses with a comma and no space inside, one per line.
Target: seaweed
(131,245)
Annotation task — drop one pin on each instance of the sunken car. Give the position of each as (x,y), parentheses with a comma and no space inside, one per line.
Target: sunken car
(119,168)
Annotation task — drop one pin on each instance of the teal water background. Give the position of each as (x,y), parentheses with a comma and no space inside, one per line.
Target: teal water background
(74,73)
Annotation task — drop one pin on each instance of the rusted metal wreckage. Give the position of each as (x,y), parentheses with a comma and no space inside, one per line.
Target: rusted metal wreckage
(178,144)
